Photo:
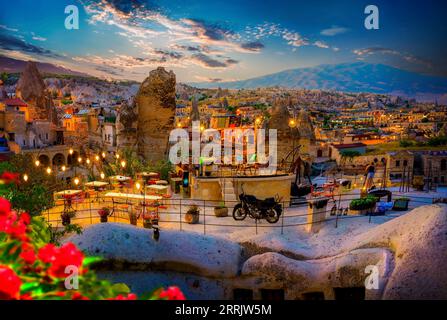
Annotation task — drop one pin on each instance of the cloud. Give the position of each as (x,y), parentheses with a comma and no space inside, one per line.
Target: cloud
(333,31)
(209,62)
(254,46)
(38,38)
(407,57)
(12,43)
(321,44)
(8,28)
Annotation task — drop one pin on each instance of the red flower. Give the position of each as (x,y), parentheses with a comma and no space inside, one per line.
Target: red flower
(9,284)
(16,228)
(9,177)
(25,218)
(60,258)
(5,207)
(130,296)
(47,254)
(26,296)
(78,296)
(28,254)
(172,293)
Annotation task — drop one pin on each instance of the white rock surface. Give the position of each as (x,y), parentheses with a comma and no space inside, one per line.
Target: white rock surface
(176,250)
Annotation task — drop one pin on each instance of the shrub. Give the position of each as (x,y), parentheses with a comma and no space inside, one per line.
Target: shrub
(363,203)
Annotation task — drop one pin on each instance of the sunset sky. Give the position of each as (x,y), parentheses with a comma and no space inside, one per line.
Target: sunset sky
(223,40)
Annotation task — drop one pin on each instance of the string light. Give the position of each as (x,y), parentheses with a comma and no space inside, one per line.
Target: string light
(63,168)
(117,156)
(97,158)
(37,163)
(88,161)
(25,177)
(138,185)
(292,123)
(49,170)
(123,163)
(102,175)
(79,159)
(76,181)
(103,154)
(70,151)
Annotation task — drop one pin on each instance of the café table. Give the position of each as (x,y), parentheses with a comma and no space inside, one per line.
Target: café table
(97,186)
(68,196)
(127,198)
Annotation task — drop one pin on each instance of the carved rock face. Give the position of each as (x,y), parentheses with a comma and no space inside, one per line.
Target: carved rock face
(126,126)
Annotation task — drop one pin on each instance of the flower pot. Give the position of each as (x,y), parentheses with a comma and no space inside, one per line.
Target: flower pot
(66,220)
(104,219)
(147,224)
(133,219)
(221,212)
(192,218)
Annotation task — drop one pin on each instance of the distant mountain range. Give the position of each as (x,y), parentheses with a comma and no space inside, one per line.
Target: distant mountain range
(11,65)
(347,77)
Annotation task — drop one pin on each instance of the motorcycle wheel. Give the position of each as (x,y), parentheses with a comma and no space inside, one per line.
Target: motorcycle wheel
(239,213)
(272,216)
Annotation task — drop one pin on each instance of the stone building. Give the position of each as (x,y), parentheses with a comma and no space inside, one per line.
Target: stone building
(435,166)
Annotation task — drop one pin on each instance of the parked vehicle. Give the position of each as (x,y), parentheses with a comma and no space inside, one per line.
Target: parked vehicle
(269,209)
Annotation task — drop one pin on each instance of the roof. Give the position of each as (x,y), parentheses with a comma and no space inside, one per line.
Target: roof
(82,112)
(349,145)
(68,116)
(15,102)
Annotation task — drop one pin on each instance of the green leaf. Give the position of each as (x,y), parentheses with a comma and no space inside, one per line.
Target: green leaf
(120,288)
(89,260)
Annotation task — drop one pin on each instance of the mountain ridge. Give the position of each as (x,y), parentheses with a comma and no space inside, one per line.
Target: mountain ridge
(346,77)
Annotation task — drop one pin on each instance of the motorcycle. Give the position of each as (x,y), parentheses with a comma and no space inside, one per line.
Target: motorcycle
(269,209)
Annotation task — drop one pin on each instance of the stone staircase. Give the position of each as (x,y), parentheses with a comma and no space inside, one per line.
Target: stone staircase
(228,194)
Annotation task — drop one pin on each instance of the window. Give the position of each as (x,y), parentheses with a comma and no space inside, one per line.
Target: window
(317,296)
(405,163)
(46,136)
(443,164)
(397,163)
(242,294)
(272,294)
(353,293)
(24,142)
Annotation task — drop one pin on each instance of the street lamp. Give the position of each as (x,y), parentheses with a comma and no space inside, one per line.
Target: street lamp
(49,170)
(292,123)
(70,151)
(88,161)
(63,168)
(80,160)
(103,154)
(37,163)
(102,175)
(76,181)
(97,158)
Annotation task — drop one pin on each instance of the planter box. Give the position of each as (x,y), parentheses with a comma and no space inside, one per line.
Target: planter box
(65,220)
(104,219)
(401,204)
(361,212)
(221,212)
(147,224)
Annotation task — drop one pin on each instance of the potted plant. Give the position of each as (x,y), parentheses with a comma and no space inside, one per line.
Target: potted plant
(66,217)
(363,205)
(147,220)
(192,215)
(133,218)
(401,204)
(104,214)
(221,210)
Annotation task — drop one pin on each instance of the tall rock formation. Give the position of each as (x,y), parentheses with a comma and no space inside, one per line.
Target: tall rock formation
(31,88)
(286,137)
(148,122)
(195,114)
(127,126)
